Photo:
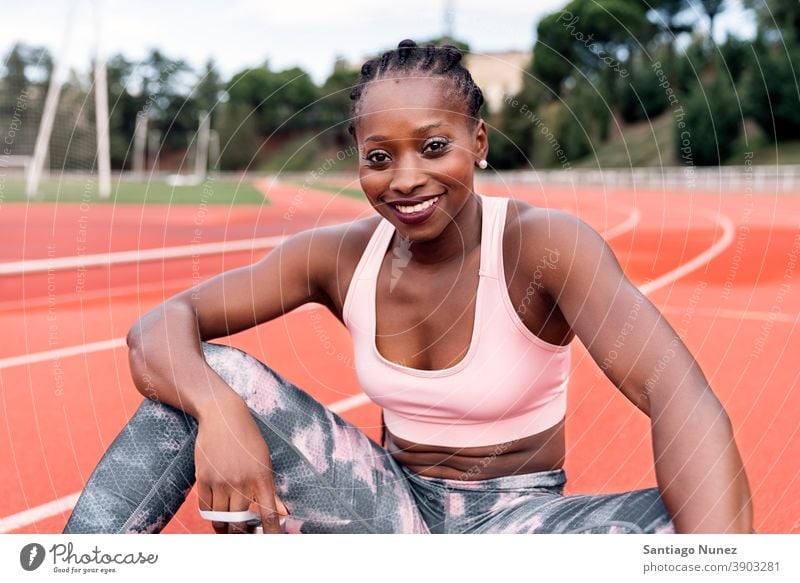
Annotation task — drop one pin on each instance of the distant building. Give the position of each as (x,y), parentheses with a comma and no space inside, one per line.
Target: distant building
(498,73)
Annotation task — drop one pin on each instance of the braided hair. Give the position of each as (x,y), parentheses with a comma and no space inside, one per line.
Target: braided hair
(410,59)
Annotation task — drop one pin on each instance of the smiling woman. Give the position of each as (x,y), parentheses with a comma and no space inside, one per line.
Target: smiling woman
(461,308)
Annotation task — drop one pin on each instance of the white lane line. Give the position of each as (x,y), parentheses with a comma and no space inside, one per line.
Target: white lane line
(349,403)
(728,233)
(160,253)
(65,504)
(46,355)
(38,513)
(628,225)
(117,257)
(58,353)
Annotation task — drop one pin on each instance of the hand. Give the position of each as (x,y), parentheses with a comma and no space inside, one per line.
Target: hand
(233,468)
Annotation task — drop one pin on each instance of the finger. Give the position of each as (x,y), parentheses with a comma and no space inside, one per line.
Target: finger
(220,502)
(238,503)
(265,500)
(280,506)
(204,496)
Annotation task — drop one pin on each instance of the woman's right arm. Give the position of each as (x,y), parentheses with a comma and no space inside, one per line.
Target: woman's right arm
(167,364)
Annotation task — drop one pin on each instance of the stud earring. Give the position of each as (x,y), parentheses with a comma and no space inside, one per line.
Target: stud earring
(483,164)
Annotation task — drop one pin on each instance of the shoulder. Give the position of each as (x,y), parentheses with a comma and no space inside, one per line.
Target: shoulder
(569,245)
(550,225)
(331,253)
(334,242)
(557,228)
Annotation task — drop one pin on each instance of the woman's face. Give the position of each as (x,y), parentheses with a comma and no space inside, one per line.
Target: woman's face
(414,146)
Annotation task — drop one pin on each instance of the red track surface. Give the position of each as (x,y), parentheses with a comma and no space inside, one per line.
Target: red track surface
(58,416)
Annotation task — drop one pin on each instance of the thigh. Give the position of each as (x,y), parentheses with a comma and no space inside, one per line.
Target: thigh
(328,473)
(635,512)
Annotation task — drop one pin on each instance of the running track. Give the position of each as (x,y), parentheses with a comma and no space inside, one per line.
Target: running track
(721,268)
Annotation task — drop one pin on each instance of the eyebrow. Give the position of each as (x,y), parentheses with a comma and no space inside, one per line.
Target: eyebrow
(417,132)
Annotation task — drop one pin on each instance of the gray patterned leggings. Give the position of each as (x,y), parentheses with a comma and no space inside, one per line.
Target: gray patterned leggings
(333,478)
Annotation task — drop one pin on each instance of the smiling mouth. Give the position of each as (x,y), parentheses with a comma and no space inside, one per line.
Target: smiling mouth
(416,208)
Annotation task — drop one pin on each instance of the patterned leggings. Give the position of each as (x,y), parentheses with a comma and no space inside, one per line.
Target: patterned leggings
(333,478)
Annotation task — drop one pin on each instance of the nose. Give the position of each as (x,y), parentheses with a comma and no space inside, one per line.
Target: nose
(406,178)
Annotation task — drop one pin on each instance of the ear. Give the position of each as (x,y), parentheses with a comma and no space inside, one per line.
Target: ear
(480,145)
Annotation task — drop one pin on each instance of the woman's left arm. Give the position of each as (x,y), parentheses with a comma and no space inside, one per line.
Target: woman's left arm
(698,467)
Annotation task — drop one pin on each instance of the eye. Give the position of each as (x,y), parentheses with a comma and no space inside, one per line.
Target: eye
(377,157)
(435,145)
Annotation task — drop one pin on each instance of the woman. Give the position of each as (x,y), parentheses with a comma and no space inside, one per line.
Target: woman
(461,308)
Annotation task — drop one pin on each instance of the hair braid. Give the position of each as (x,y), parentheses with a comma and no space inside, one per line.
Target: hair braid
(429,60)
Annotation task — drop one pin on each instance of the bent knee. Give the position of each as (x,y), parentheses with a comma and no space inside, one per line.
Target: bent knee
(250,378)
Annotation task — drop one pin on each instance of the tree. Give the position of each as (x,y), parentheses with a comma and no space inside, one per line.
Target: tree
(777,16)
(239,139)
(209,88)
(713,122)
(712,8)
(333,108)
(671,19)
(592,38)
(281,100)
(771,90)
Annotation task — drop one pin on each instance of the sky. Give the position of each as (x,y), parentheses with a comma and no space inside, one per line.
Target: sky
(308,33)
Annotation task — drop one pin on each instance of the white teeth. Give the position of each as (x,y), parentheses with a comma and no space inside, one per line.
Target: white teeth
(417,207)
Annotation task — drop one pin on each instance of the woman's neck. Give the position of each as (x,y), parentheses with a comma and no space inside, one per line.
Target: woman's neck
(457,239)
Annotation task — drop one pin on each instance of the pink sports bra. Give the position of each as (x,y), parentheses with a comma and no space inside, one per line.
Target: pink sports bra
(509,385)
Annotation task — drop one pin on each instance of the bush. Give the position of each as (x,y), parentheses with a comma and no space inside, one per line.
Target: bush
(713,122)
(583,121)
(644,96)
(771,91)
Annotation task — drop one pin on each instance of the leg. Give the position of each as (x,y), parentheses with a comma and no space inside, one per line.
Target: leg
(330,476)
(635,512)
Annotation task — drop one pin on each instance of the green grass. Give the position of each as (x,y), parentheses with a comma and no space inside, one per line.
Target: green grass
(771,155)
(649,143)
(75,190)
